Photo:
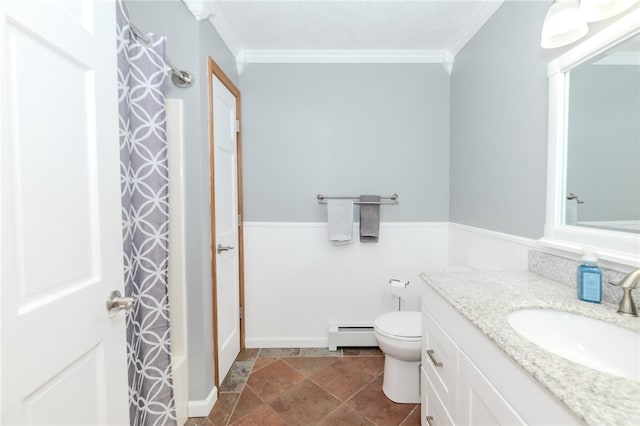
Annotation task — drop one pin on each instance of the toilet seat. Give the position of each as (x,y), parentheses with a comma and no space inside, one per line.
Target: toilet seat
(405,325)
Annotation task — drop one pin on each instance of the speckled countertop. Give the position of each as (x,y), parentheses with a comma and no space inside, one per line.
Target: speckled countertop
(487,298)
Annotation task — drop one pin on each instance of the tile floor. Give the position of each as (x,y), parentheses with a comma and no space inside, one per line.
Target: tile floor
(308,386)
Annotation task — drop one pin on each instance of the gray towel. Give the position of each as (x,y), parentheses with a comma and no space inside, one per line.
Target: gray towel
(369,219)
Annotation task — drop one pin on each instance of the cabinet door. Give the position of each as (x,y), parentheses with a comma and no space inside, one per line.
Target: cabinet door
(479,402)
(432,410)
(440,363)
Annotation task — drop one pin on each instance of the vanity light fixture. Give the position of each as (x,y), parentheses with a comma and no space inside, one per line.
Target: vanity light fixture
(563,24)
(566,20)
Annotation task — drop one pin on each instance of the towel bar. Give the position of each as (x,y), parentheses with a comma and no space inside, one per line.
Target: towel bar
(393,199)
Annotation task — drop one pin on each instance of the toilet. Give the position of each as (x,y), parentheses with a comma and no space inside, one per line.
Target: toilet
(399,336)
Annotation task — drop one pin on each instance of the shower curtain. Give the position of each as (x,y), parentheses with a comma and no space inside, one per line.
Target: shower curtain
(145,223)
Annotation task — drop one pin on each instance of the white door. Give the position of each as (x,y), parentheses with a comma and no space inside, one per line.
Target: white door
(225,248)
(63,358)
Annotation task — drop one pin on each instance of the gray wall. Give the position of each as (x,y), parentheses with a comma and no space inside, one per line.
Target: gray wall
(499,107)
(603,152)
(188,44)
(345,129)
(499,124)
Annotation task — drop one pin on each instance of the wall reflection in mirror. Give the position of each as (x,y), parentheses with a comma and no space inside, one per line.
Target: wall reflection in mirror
(603,140)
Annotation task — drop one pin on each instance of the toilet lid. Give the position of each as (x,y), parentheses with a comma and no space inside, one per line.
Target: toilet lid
(402,324)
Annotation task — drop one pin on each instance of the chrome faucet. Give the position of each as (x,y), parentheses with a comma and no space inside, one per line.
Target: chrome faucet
(628,283)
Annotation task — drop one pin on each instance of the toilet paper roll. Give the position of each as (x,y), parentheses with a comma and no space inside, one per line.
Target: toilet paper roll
(398,283)
(398,288)
(398,291)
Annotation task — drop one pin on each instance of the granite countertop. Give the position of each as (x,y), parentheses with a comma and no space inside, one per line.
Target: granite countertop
(486,298)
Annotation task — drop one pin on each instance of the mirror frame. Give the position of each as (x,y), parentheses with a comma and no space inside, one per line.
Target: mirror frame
(619,247)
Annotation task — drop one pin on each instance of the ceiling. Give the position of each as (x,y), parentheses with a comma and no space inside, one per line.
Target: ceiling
(345,30)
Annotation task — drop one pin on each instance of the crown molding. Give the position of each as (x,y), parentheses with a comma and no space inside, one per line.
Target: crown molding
(474,24)
(447,61)
(200,9)
(344,56)
(287,56)
(241,61)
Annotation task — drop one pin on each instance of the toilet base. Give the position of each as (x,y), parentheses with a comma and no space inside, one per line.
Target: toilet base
(401,381)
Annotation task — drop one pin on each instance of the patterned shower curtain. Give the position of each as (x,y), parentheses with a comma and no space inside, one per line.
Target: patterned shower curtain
(145,223)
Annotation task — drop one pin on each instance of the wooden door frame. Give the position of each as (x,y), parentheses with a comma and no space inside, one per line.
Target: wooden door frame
(214,70)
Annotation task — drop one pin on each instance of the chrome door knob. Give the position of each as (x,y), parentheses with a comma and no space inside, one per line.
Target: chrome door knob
(117,303)
(222,248)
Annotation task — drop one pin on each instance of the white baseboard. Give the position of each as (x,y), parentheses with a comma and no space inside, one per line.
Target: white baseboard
(202,408)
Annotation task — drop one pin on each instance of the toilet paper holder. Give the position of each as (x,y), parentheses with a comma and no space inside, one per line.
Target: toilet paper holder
(397,290)
(398,284)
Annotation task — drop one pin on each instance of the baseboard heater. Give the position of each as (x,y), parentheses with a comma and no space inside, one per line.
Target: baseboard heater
(352,335)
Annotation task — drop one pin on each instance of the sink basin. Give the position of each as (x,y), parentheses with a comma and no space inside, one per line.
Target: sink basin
(593,343)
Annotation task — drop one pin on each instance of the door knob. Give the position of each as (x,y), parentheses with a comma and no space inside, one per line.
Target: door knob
(222,248)
(117,303)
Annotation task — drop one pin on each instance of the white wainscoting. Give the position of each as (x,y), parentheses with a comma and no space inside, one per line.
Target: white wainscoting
(485,250)
(297,282)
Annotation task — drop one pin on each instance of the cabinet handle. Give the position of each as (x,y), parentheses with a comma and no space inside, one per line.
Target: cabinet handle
(430,420)
(433,358)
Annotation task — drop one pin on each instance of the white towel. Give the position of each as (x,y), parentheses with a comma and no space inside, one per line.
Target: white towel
(340,220)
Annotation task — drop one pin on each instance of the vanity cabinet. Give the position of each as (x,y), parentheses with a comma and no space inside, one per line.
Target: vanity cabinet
(467,380)
(454,391)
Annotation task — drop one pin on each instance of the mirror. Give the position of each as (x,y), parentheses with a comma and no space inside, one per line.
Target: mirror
(593,166)
(602,187)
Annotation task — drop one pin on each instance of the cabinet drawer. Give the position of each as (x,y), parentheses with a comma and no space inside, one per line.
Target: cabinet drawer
(432,409)
(443,376)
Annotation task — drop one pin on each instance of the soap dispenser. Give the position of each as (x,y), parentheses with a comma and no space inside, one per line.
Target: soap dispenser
(589,279)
